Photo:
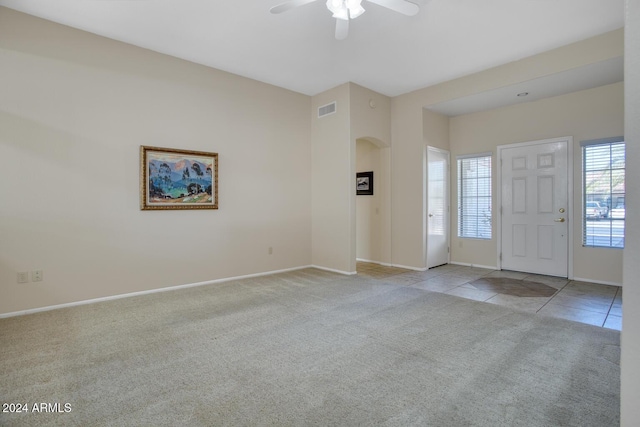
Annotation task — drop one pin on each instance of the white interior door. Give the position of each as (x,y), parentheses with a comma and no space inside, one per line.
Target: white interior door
(535,209)
(437,207)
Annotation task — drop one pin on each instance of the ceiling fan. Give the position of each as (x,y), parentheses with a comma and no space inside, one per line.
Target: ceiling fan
(344,10)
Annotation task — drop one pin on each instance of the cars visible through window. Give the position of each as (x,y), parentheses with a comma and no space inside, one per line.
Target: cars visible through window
(603,181)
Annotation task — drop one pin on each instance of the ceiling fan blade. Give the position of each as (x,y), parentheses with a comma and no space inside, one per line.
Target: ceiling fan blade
(283,7)
(401,6)
(342,29)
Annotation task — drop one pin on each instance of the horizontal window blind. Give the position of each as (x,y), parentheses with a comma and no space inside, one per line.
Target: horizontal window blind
(474,196)
(603,211)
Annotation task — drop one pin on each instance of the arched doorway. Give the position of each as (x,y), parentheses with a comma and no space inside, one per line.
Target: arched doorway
(372,213)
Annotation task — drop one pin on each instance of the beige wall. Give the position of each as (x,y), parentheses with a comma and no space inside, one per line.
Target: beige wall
(74,110)
(368,221)
(361,114)
(333,183)
(585,115)
(435,130)
(370,115)
(409,128)
(75,96)
(371,121)
(407,184)
(630,369)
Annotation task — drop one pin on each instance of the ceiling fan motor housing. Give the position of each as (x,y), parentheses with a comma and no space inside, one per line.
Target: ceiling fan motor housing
(345,9)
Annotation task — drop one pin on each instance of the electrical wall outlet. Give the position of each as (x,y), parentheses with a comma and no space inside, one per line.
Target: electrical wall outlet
(23,277)
(36,276)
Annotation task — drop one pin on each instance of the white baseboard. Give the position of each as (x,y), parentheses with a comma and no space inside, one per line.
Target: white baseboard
(598,282)
(489,267)
(151,291)
(334,270)
(409,267)
(385,264)
(466,264)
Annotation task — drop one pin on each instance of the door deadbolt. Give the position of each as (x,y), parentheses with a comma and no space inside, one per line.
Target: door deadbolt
(561,210)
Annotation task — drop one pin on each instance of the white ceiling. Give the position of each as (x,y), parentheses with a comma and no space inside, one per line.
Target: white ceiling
(385,51)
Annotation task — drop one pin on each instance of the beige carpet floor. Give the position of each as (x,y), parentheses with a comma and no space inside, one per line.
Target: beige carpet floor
(307,348)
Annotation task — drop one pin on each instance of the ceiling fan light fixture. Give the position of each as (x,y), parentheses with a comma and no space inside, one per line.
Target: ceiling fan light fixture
(342,14)
(355,12)
(335,5)
(355,8)
(345,9)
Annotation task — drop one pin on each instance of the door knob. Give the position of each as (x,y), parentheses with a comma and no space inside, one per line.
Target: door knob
(559,220)
(430,215)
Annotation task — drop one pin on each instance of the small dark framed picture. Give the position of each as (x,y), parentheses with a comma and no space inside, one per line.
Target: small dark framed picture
(364,183)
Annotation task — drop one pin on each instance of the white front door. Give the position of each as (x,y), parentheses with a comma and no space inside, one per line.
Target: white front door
(535,209)
(437,207)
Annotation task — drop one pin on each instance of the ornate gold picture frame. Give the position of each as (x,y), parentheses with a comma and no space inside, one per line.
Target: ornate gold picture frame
(178,179)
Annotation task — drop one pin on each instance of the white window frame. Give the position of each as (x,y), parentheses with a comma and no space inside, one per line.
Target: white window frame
(459,160)
(583,147)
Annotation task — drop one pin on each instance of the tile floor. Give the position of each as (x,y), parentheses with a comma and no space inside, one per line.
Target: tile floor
(595,304)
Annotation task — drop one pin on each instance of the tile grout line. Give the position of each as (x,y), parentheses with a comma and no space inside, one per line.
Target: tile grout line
(609,310)
(553,296)
(613,301)
(383,274)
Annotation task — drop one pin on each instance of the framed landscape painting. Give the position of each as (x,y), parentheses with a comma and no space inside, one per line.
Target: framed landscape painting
(178,179)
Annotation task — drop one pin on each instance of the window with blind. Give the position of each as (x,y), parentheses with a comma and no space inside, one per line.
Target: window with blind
(474,196)
(603,181)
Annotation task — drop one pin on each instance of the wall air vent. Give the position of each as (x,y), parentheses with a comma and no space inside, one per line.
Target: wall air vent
(325,110)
